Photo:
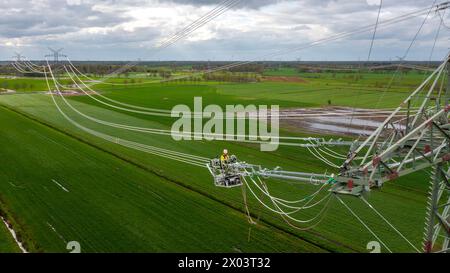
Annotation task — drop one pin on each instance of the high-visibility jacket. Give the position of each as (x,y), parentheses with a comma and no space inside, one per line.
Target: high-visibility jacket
(223,158)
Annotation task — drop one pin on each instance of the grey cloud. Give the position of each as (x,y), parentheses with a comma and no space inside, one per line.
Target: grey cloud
(252,4)
(22,18)
(280,24)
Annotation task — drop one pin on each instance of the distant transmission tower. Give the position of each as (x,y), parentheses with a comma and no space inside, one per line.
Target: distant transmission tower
(55,54)
(18,56)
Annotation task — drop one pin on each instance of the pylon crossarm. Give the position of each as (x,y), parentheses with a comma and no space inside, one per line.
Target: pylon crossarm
(374,136)
(427,98)
(386,153)
(411,150)
(357,180)
(407,171)
(421,161)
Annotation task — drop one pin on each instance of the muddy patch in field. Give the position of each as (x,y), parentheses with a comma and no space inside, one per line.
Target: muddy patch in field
(341,121)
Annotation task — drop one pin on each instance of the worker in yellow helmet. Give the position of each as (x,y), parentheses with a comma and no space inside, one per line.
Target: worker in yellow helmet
(224,158)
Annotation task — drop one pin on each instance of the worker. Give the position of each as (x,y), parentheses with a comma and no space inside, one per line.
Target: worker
(224,158)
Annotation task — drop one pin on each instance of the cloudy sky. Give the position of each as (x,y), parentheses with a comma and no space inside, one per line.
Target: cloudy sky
(252,30)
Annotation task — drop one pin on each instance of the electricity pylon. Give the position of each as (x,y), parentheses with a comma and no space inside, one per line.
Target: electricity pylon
(55,54)
(18,56)
(401,146)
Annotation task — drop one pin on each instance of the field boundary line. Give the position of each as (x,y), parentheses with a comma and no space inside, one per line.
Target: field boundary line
(21,236)
(186,187)
(14,235)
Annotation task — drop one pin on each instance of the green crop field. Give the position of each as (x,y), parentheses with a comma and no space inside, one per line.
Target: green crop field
(79,192)
(26,84)
(120,199)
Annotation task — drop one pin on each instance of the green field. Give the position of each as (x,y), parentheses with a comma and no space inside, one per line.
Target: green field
(401,79)
(26,84)
(111,204)
(126,200)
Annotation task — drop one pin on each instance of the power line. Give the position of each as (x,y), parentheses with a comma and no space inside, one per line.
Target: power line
(222,8)
(368,56)
(375,30)
(362,222)
(182,157)
(206,18)
(389,223)
(405,55)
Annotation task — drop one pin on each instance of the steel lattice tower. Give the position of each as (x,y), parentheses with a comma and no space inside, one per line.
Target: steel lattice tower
(55,54)
(402,146)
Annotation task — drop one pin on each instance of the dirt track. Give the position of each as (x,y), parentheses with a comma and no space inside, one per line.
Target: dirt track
(283,79)
(70,93)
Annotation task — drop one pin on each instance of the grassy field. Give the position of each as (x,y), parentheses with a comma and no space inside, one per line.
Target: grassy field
(365,89)
(61,189)
(90,172)
(299,95)
(375,78)
(26,84)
